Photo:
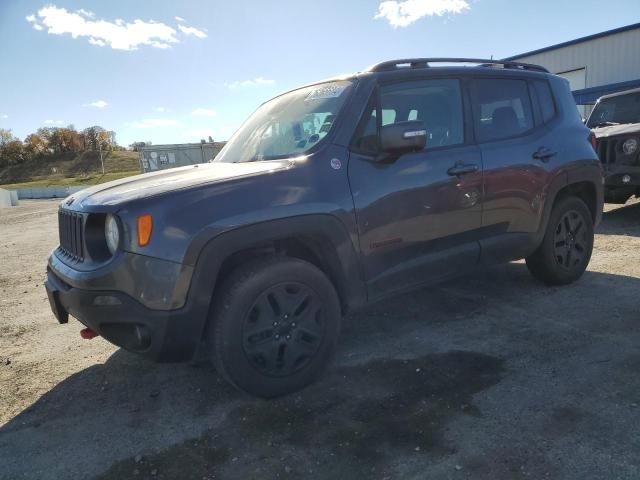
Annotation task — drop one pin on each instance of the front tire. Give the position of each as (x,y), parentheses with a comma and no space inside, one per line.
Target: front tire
(275,326)
(565,251)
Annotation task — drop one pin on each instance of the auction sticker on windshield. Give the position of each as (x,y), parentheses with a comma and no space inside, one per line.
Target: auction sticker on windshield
(326,91)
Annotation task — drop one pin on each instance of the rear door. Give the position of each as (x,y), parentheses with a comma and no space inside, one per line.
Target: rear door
(516,151)
(417,218)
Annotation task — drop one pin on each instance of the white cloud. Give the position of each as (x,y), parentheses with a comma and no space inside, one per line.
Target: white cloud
(192,31)
(118,34)
(161,109)
(153,123)
(404,13)
(203,112)
(86,13)
(32,20)
(180,19)
(4,117)
(256,82)
(53,122)
(97,104)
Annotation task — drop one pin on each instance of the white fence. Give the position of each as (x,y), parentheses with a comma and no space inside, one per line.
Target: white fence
(47,192)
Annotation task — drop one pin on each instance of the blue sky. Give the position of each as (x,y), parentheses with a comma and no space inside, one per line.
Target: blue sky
(192,68)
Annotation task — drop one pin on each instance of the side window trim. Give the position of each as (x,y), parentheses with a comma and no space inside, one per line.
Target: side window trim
(537,107)
(372,102)
(469,130)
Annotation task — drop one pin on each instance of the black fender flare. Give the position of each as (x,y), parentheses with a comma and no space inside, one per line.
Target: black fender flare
(580,173)
(209,251)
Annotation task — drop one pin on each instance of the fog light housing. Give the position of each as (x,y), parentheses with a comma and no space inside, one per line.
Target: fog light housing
(626,178)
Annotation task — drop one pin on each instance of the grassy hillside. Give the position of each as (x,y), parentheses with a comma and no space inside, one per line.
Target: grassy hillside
(70,169)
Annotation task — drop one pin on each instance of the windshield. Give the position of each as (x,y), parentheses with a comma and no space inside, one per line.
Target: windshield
(289,125)
(616,110)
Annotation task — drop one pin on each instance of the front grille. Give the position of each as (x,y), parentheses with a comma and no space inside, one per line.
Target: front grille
(605,151)
(70,227)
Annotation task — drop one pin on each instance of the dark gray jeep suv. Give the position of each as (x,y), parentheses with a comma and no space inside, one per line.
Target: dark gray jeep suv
(615,121)
(331,196)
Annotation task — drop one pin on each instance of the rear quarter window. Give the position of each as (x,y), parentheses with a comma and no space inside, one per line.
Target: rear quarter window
(545,100)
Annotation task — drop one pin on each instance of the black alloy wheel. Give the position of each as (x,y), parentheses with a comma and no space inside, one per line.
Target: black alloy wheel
(274,325)
(283,329)
(565,251)
(571,240)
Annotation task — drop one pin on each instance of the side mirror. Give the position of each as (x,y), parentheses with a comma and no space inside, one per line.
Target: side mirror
(403,137)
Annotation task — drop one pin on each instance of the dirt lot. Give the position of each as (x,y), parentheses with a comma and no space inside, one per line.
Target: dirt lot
(492,376)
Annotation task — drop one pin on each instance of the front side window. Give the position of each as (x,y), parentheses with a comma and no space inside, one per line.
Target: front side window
(438,103)
(289,125)
(616,111)
(501,108)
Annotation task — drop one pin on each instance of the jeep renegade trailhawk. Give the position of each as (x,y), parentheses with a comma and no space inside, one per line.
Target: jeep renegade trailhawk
(331,196)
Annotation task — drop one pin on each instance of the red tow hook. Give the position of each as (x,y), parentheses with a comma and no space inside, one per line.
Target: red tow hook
(88,334)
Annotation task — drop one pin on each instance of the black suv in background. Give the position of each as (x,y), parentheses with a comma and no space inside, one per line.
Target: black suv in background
(331,196)
(615,121)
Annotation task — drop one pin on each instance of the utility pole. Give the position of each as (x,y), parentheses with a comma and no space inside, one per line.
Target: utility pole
(101,161)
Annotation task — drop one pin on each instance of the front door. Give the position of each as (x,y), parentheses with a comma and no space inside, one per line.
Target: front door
(419,215)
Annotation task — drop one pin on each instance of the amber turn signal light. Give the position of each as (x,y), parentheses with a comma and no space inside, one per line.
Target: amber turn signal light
(145,227)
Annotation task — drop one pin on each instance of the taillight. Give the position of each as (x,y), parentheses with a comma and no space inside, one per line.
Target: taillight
(594,142)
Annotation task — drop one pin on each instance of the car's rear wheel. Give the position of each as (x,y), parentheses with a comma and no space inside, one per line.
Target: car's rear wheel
(566,248)
(275,326)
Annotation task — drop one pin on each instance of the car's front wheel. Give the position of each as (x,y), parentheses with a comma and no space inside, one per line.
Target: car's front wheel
(566,248)
(275,326)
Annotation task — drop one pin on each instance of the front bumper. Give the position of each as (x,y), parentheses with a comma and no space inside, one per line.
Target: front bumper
(160,335)
(614,175)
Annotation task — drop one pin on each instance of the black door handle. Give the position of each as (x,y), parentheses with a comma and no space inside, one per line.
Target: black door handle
(544,154)
(461,169)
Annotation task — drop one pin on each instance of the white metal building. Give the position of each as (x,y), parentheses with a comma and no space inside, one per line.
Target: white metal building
(160,157)
(603,63)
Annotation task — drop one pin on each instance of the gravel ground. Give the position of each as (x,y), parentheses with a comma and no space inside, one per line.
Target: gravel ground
(492,376)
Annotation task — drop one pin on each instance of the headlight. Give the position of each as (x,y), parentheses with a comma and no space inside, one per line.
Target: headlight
(112,233)
(630,146)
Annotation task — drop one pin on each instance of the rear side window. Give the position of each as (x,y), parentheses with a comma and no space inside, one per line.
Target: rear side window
(501,108)
(545,100)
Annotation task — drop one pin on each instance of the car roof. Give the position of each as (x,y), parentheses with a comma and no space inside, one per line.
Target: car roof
(618,94)
(412,63)
(417,66)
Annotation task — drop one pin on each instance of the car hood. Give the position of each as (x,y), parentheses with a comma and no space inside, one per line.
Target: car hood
(147,185)
(615,130)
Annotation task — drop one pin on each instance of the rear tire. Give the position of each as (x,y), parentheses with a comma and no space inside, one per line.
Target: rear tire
(275,324)
(565,251)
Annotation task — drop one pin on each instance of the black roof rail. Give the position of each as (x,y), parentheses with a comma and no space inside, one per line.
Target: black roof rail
(425,63)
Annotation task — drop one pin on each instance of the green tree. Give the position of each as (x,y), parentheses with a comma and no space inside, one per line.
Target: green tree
(12,153)
(36,145)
